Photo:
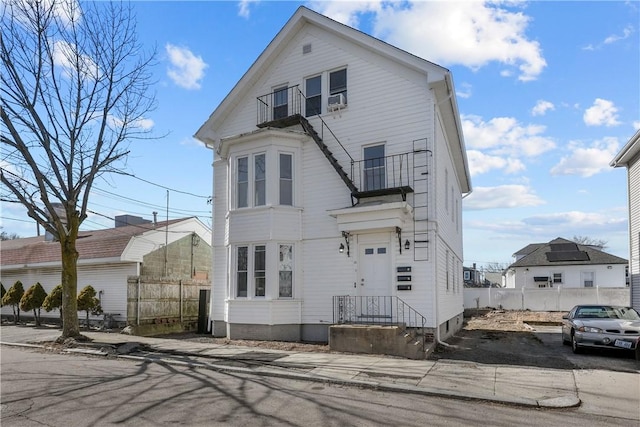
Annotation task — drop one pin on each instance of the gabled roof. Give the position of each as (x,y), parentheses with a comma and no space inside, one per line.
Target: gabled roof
(628,152)
(438,77)
(108,243)
(528,249)
(564,252)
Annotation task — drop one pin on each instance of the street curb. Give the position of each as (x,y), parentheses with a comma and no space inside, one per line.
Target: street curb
(555,403)
(552,403)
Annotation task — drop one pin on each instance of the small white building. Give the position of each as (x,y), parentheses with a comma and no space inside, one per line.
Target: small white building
(175,248)
(566,264)
(629,156)
(339,168)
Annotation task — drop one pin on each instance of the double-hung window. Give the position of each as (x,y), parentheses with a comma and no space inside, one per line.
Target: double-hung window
(242,272)
(374,168)
(242,182)
(260,180)
(313,93)
(557,278)
(260,270)
(280,103)
(338,83)
(286,179)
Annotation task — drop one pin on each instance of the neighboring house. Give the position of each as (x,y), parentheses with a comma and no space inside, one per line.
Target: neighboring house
(629,156)
(339,168)
(566,264)
(473,278)
(176,248)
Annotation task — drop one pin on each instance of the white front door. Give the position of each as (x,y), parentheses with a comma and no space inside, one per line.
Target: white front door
(375,269)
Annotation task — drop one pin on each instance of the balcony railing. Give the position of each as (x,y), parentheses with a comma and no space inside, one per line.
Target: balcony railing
(276,107)
(371,177)
(383,175)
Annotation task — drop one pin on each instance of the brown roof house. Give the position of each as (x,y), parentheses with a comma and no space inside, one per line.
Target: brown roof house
(110,258)
(566,264)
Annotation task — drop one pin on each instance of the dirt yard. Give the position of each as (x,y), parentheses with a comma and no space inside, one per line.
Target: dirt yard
(512,320)
(496,320)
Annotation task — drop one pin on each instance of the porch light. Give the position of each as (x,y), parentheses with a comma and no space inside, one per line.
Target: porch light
(407,244)
(346,236)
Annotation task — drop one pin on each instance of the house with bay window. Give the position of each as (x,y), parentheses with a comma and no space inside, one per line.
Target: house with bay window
(339,169)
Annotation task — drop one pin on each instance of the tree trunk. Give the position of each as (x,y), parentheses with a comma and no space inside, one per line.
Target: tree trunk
(69,254)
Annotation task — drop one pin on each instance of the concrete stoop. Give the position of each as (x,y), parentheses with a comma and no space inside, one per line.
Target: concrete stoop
(391,340)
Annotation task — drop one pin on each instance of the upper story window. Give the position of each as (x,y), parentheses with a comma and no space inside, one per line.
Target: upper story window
(280,103)
(374,168)
(557,277)
(260,178)
(313,93)
(242,182)
(286,179)
(338,83)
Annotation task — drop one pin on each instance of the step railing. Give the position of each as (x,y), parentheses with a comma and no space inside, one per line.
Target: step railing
(379,310)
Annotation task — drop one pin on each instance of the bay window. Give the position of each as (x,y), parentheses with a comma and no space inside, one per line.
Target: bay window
(255,271)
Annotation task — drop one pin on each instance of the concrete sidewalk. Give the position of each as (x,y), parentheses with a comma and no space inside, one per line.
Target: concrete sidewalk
(525,386)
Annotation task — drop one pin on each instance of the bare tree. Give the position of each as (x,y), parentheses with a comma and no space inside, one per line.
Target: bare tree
(496,267)
(75,90)
(589,241)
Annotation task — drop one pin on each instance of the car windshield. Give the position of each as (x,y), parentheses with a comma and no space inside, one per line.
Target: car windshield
(607,312)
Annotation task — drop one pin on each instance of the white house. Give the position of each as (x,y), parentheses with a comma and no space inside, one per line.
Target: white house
(566,264)
(629,156)
(109,256)
(339,168)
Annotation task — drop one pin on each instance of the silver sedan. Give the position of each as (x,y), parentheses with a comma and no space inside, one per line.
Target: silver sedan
(601,326)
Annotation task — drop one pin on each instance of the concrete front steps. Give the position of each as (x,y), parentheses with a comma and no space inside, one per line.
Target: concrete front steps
(391,340)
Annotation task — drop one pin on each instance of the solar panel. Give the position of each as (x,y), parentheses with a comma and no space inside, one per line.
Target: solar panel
(557,256)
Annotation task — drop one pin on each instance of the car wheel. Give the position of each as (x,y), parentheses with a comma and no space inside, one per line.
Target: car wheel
(574,345)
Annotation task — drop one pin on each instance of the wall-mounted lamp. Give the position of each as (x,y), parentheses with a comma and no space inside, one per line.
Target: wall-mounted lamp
(407,244)
(346,236)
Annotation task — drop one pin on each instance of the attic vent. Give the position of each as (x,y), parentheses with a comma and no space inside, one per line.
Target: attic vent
(306,48)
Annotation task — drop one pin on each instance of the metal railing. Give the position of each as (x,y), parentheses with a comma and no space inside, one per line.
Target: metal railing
(370,175)
(379,310)
(279,104)
(382,173)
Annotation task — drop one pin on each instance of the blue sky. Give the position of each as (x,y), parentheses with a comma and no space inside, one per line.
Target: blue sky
(548,93)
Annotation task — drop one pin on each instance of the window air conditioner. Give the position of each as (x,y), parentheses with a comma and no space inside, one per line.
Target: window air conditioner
(336,102)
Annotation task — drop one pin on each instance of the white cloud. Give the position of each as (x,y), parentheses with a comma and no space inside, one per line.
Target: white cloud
(601,113)
(541,108)
(505,136)
(587,161)
(480,163)
(468,33)
(500,197)
(185,69)
(243,7)
(464,91)
(575,220)
(613,38)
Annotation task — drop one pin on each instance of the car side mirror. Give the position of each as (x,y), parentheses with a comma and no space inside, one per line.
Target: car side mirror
(565,317)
